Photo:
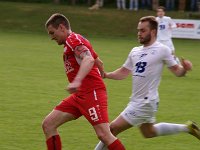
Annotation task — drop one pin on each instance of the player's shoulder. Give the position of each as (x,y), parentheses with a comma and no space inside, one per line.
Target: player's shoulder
(135,50)
(167,17)
(74,39)
(157,18)
(73,36)
(159,45)
(163,49)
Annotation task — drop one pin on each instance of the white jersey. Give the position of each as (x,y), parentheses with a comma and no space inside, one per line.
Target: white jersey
(165,26)
(146,64)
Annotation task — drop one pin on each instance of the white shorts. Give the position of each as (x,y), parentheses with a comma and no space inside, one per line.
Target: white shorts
(169,44)
(136,113)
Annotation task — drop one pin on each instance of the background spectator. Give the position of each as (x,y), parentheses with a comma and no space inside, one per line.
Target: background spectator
(170,4)
(133,5)
(121,4)
(193,5)
(155,4)
(181,5)
(146,4)
(97,5)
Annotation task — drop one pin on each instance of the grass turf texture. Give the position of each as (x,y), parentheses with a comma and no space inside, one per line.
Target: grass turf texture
(32,78)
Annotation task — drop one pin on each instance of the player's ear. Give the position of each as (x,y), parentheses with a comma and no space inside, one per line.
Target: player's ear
(62,27)
(154,31)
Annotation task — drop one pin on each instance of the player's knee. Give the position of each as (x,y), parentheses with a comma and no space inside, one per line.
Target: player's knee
(101,136)
(104,137)
(113,128)
(149,134)
(46,126)
(148,130)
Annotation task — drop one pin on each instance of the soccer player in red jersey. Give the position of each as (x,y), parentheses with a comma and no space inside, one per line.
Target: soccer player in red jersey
(88,92)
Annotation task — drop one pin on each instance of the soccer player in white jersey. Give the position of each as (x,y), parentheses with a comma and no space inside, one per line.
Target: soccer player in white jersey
(165,26)
(146,63)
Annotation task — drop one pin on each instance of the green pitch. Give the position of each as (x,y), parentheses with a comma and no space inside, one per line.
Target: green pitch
(32,82)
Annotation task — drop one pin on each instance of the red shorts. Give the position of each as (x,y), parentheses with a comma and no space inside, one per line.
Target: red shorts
(92,105)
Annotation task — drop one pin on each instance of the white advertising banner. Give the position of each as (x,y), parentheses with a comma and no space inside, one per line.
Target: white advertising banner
(189,29)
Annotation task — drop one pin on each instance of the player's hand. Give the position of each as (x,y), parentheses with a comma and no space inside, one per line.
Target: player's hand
(73,87)
(187,65)
(105,75)
(102,74)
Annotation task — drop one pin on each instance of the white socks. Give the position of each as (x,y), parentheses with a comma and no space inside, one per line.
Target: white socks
(161,130)
(101,146)
(169,128)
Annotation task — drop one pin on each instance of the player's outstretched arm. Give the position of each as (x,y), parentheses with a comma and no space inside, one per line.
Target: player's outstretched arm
(118,74)
(181,69)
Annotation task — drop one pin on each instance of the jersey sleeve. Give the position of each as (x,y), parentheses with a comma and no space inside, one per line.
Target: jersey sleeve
(169,58)
(73,41)
(173,24)
(128,63)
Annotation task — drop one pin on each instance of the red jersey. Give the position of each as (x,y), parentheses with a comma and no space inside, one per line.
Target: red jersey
(72,64)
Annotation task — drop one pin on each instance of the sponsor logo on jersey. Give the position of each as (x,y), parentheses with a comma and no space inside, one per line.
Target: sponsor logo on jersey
(68,67)
(142,55)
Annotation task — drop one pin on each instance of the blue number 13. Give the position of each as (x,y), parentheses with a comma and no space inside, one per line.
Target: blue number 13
(140,67)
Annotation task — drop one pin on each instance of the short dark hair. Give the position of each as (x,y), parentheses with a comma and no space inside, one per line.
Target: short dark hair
(56,19)
(152,22)
(161,7)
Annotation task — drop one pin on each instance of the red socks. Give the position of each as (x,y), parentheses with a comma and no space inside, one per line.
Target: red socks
(54,143)
(116,145)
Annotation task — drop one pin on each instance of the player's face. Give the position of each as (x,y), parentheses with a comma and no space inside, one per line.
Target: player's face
(144,33)
(57,34)
(160,13)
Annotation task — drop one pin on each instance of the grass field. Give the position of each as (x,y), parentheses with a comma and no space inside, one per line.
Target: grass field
(32,79)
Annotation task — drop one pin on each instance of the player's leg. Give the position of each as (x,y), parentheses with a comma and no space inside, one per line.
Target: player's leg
(117,126)
(109,141)
(169,128)
(95,109)
(50,124)
(62,113)
(150,130)
(55,119)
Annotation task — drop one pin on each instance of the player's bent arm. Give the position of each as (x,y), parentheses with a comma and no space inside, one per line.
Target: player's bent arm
(118,74)
(87,62)
(100,66)
(181,69)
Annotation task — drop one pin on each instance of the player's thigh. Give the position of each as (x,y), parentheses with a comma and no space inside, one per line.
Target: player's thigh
(138,113)
(57,118)
(119,125)
(94,107)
